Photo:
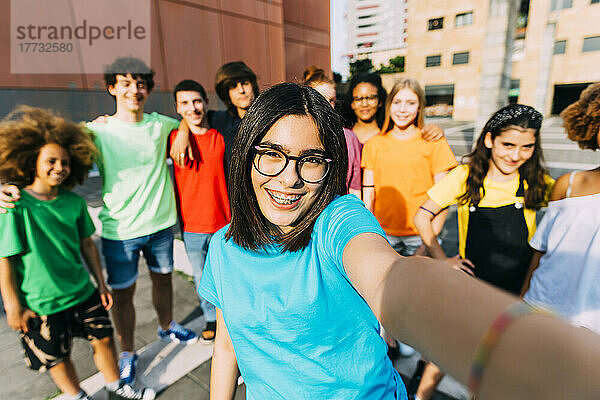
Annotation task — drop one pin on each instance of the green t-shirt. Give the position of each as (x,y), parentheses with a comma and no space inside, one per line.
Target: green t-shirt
(136,189)
(45,237)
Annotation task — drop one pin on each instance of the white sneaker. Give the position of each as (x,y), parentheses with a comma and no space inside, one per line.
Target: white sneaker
(127,392)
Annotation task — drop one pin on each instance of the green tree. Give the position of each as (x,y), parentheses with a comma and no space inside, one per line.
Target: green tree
(395,64)
(361,66)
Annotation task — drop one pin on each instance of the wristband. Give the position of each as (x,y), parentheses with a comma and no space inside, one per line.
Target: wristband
(425,209)
(489,340)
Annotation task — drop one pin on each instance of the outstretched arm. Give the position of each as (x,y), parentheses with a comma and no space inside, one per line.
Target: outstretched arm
(224,371)
(444,314)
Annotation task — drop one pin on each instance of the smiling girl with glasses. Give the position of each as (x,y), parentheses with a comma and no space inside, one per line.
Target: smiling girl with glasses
(303,273)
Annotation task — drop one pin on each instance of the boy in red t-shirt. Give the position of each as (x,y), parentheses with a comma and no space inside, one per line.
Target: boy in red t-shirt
(200,186)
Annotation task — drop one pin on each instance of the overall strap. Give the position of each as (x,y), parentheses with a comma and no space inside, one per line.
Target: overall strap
(521,189)
(571,176)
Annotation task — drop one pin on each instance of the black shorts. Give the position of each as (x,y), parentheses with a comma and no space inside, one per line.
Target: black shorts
(50,337)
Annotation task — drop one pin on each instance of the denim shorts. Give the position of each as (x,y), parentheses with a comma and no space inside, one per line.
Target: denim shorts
(196,247)
(122,257)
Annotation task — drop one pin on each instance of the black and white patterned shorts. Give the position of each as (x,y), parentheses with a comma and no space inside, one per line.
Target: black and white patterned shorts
(50,337)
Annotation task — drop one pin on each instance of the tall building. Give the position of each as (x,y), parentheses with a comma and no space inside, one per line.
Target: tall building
(190,39)
(474,55)
(377,29)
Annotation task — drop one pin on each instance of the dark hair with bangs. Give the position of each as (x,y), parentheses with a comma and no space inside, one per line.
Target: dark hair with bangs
(129,66)
(26,130)
(189,85)
(513,116)
(249,228)
(346,107)
(582,118)
(228,76)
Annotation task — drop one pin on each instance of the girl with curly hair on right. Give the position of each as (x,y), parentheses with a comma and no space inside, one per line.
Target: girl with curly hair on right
(47,293)
(565,270)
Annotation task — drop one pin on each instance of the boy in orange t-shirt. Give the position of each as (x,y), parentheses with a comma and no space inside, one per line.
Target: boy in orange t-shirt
(200,186)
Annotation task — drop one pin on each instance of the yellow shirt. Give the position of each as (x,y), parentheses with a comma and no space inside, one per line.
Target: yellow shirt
(403,170)
(497,194)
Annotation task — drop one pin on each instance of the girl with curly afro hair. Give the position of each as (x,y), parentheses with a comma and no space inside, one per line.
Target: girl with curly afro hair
(565,270)
(24,133)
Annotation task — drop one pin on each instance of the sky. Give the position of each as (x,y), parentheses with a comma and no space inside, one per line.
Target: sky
(338,38)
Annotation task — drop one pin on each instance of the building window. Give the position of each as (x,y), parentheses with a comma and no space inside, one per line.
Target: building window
(433,61)
(365,26)
(460,58)
(560,4)
(366,16)
(513,93)
(591,43)
(463,19)
(435,23)
(595,2)
(560,47)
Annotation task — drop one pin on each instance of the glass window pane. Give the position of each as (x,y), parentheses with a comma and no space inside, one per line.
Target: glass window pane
(591,43)
(435,23)
(433,61)
(460,58)
(560,47)
(464,19)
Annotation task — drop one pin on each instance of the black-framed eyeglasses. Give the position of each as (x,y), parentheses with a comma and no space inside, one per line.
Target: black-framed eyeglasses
(311,168)
(371,99)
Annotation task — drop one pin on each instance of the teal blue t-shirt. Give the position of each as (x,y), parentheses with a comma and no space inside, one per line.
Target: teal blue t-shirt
(299,328)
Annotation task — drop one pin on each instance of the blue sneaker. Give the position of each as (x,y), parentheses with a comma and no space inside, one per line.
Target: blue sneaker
(127,364)
(177,334)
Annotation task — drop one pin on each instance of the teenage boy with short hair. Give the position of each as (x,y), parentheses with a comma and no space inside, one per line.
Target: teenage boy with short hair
(237,87)
(139,205)
(200,186)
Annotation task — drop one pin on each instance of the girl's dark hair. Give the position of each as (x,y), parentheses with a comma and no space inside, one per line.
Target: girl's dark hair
(346,107)
(513,116)
(228,76)
(26,130)
(582,118)
(249,228)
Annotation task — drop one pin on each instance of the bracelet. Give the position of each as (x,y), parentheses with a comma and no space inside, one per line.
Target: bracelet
(368,185)
(487,343)
(425,209)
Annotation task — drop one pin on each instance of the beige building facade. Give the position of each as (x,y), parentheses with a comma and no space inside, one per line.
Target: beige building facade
(543,58)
